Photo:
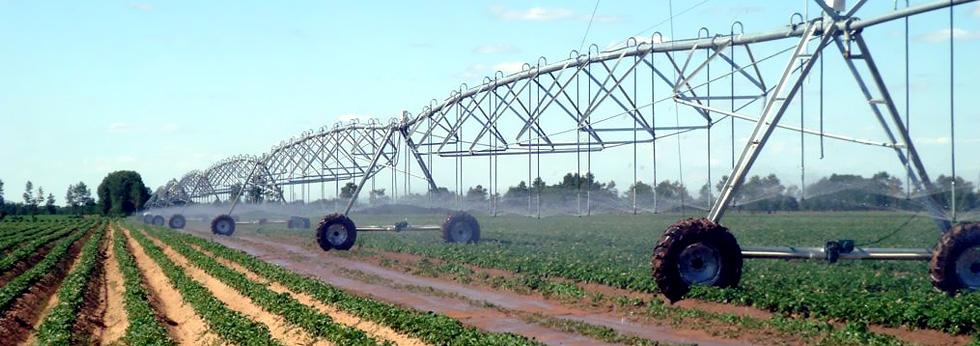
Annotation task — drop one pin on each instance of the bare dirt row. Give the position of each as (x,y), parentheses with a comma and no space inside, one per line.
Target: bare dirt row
(484,307)
(397,278)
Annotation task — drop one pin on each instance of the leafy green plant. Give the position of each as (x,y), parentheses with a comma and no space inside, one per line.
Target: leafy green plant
(303,316)
(429,327)
(57,326)
(144,328)
(20,284)
(229,324)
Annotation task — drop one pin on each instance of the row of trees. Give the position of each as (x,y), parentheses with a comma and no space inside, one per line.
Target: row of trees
(120,193)
(758,193)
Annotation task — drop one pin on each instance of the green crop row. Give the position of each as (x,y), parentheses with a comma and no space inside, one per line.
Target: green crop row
(27,249)
(24,235)
(303,316)
(9,230)
(143,329)
(17,286)
(615,250)
(231,325)
(57,326)
(429,327)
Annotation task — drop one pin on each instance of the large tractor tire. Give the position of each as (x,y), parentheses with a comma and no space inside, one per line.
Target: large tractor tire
(461,227)
(336,231)
(158,220)
(147,219)
(223,225)
(177,221)
(955,263)
(695,252)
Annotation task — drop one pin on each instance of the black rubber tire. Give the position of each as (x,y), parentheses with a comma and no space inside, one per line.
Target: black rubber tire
(290,222)
(334,219)
(158,220)
(306,223)
(147,219)
(177,221)
(461,217)
(677,238)
(952,244)
(223,218)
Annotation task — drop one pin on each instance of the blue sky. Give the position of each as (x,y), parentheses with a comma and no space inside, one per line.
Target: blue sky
(166,87)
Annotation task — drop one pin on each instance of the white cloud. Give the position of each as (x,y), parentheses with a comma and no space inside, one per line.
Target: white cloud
(484,70)
(119,127)
(508,67)
(169,128)
(538,14)
(940,36)
(498,48)
(142,6)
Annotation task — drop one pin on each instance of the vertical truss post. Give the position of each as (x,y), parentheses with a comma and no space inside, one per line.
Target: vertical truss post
(915,168)
(368,173)
(418,158)
(238,195)
(771,115)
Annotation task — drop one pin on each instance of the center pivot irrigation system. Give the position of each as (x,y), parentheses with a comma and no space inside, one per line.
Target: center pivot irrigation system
(607,99)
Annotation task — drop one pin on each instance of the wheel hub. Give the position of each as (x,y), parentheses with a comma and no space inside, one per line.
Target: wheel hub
(968,267)
(336,234)
(699,264)
(224,227)
(461,232)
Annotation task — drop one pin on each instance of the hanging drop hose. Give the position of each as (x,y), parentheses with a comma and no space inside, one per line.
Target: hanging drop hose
(952,119)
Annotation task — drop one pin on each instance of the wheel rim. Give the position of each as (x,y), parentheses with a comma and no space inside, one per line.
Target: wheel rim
(179,223)
(336,234)
(223,227)
(158,221)
(461,232)
(968,267)
(699,264)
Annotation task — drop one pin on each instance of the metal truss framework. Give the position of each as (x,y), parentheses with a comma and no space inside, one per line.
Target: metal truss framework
(591,102)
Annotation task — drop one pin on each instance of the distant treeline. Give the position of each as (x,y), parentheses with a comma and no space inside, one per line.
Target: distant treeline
(881,191)
(120,193)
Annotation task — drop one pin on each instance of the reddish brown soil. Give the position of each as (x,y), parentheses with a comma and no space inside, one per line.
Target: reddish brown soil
(114,318)
(485,308)
(90,320)
(183,324)
(25,264)
(17,322)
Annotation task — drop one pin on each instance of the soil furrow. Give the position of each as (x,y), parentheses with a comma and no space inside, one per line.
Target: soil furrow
(491,316)
(183,324)
(375,330)
(114,316)
(26,263)
(279,328)
(20,321)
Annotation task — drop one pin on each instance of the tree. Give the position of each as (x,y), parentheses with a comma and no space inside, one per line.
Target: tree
(347,192)
(476,194)
(673,193)
(29,193)
(122,193)
(377,196)
(254,195)
(49,205)
(1,193)
(78,195)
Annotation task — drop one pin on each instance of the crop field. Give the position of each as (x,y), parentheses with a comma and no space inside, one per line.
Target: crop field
(590,269)
(101,281)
